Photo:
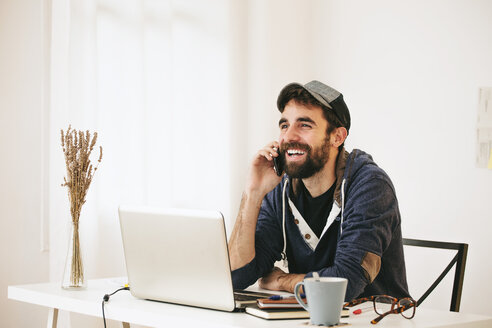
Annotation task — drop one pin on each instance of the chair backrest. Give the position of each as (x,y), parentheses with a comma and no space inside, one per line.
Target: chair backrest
(459,259)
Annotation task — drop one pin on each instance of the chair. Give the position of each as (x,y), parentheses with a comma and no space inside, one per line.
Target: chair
(459,259)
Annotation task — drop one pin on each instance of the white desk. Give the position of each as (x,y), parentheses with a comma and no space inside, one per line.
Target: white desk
(127,309)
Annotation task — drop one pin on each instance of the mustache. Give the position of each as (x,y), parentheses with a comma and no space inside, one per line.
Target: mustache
(296,145)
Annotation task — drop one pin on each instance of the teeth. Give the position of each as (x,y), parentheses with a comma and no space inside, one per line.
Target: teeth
(295,151)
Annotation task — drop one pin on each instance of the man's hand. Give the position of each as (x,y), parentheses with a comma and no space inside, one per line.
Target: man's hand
(262,177)
(279,280)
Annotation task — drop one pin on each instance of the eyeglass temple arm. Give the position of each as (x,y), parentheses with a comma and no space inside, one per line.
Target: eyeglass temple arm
(438,280)
(358,301)
(381,316)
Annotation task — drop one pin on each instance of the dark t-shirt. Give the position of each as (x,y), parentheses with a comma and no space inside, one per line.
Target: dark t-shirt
(315,210)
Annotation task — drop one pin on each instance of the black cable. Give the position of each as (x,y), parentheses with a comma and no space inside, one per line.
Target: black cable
(106,298)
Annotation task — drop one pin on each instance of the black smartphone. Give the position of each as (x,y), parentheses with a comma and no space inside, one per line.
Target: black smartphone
(278,164)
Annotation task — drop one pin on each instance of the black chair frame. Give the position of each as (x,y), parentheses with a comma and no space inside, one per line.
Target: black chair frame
(460,261)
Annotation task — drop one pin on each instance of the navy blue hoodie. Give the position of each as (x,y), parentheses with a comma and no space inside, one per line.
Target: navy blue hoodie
(362,240)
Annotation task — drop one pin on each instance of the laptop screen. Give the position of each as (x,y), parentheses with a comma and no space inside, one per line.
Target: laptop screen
(177,256)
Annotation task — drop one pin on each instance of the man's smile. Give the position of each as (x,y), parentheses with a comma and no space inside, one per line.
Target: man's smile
(295,154)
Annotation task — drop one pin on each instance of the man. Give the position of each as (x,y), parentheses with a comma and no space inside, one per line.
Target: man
(331,212)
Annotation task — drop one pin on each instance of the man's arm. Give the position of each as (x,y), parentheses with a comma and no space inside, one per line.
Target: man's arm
(370,219)
(242,242)
(279,280)
(261,180)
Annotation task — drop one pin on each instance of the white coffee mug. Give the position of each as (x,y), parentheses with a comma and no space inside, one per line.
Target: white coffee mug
(325,297)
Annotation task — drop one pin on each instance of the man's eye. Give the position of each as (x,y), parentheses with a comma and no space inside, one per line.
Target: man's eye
(283,126)
(305,125)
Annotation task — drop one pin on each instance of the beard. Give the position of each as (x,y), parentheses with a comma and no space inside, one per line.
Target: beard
(316,158)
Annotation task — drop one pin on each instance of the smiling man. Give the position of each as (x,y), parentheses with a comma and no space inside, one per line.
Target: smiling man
(332,212)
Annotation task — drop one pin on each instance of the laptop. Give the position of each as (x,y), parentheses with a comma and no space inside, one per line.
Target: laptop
(180,256)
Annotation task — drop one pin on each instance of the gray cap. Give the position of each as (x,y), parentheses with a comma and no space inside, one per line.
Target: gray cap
(326,95)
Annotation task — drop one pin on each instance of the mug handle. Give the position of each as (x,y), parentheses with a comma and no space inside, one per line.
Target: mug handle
(298,297)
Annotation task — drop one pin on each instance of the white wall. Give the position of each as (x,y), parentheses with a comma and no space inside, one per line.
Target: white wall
(410,73)
(22,164)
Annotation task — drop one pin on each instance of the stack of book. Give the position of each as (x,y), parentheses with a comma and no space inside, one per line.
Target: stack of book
(286,308)
(283,308)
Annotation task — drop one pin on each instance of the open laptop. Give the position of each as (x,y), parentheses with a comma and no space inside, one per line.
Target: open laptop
(179,256)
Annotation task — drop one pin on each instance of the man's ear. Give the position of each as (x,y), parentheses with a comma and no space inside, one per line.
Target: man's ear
(338,136)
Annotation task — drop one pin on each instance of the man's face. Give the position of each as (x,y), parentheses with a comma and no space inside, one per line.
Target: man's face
(304,145)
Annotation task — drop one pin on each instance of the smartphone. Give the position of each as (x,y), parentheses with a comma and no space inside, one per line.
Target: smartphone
(278,164)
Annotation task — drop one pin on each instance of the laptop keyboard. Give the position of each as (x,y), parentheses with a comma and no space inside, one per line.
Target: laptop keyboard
(245,295)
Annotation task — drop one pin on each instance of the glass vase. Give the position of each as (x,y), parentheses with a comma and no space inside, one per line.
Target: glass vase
(73,274)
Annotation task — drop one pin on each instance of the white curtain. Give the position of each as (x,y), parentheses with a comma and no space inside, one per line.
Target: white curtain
(181,93)
(151,77)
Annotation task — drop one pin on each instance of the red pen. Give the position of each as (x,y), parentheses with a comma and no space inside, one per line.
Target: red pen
(359,311)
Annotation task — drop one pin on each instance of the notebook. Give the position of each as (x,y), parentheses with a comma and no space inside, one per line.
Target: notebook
(278,313)
(179,256)
(284,313)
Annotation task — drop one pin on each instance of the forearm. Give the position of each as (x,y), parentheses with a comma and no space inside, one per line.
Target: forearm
(279,280)
(289,281)
(242,241)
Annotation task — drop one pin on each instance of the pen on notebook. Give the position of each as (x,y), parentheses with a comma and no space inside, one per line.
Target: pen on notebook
(359,311)
(283,297)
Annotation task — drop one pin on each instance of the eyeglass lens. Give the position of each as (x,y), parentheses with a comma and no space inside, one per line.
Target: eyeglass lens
(409,311)
(383,304)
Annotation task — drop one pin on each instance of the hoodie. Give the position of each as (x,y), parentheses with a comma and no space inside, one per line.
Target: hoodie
(361,241)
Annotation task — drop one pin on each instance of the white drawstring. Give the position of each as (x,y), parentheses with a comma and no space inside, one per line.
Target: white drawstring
(284,254)
(343,205)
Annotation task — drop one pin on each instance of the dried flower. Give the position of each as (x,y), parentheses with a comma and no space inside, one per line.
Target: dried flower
(77,148)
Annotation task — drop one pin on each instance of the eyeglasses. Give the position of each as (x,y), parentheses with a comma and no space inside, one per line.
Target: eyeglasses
(384,305)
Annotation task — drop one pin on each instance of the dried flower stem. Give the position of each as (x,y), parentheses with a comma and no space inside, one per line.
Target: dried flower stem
(77,148)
